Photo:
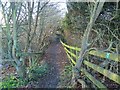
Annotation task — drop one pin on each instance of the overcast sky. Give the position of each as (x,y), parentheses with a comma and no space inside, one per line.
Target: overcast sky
(62,4)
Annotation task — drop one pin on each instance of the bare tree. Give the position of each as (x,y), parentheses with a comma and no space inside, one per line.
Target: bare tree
(26,31)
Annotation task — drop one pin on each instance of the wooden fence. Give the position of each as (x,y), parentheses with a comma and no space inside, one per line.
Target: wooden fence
(72,53)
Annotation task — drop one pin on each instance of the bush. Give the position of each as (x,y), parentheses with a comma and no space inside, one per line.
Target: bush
(37,71)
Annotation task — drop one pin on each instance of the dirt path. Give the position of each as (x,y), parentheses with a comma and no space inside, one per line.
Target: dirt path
(56,58)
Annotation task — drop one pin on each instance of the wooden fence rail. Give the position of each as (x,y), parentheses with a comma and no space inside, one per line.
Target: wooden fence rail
(111,56)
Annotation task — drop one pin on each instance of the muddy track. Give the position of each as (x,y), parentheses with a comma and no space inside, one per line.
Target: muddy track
(56,59)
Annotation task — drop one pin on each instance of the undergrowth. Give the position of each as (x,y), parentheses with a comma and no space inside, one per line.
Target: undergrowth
(37,71)
(66,76)
(34,74)
(12,82)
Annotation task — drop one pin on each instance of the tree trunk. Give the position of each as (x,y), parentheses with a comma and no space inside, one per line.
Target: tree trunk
(97,8)
(19,61)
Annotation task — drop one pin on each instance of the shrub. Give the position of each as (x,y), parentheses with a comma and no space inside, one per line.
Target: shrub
(37,71)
